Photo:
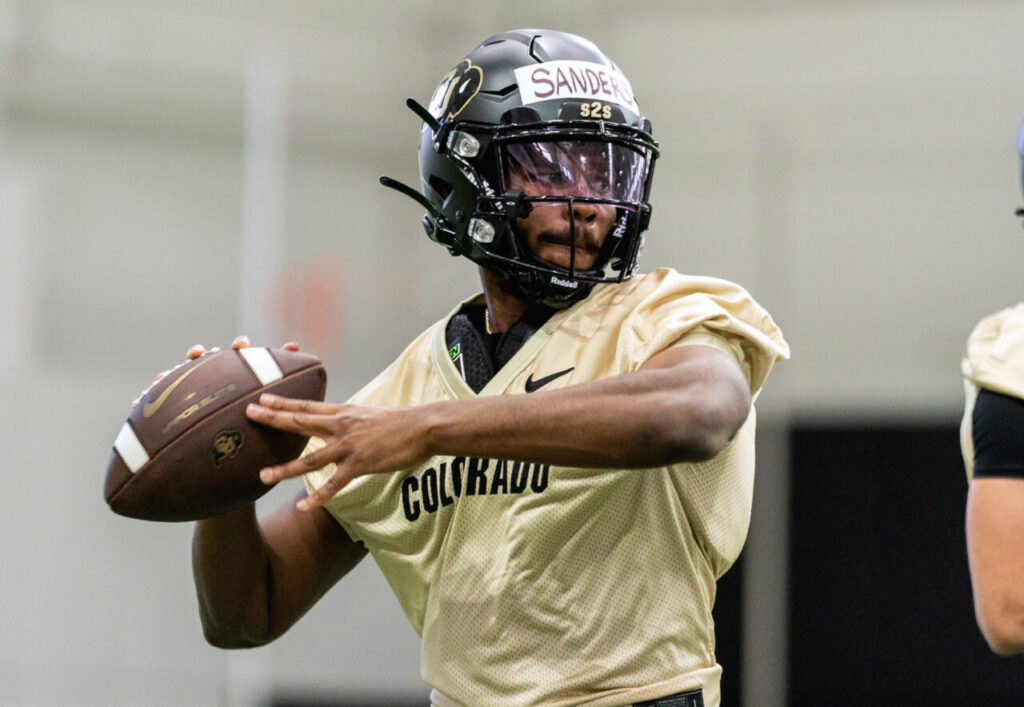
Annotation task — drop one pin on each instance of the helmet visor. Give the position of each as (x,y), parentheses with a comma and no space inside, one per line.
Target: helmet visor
(606,171)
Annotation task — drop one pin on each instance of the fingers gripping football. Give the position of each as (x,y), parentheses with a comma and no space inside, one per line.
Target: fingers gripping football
(324,420)
(358,440)
(187,451)
(197,350)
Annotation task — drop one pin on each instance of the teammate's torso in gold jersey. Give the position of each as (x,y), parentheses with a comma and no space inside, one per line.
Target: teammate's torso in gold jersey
(993,359)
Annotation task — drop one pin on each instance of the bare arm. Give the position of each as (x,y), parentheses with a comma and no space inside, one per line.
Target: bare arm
(684,404)
(995,548)
(255,580)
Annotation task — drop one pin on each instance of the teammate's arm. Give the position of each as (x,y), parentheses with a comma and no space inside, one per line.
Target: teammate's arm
(995,521)
(684,404)
(995,546)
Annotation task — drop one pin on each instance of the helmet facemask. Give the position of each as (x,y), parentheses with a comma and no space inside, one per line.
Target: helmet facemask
(596,177)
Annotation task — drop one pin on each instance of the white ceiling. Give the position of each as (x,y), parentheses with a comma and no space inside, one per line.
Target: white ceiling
(178,68)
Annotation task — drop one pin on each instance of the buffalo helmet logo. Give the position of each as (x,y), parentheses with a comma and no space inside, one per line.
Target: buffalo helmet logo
(456,90)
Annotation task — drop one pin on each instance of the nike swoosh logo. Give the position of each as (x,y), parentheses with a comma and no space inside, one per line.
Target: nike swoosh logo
(533,385)
(151,408)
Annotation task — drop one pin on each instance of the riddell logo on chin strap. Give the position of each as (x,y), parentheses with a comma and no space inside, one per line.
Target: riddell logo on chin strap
(572,284)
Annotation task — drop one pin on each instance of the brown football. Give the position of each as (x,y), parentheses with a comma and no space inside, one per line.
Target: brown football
(187,451)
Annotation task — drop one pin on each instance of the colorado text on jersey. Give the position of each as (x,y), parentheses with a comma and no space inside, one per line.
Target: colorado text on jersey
(468,476)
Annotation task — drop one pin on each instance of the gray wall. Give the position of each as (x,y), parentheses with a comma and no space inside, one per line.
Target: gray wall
(852,164)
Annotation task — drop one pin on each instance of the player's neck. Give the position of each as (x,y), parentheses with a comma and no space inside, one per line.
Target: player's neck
(503,307)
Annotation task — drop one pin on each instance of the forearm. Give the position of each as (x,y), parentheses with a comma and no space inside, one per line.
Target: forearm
(256,578)
(1001,620)
(231,569)
(995,548)
(685,404)
(647,418)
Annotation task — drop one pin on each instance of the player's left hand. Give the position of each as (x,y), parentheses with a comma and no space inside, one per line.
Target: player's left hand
(358,439)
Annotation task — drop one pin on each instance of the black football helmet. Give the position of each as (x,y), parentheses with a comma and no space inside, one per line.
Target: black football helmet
(535,107)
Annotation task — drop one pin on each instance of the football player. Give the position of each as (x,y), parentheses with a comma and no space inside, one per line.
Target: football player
(554,475)
(992,441)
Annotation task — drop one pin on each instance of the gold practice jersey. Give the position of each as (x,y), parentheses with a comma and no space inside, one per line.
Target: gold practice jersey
(994,360)
(532,584)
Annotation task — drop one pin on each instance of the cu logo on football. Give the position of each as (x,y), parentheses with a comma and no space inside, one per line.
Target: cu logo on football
(226,445)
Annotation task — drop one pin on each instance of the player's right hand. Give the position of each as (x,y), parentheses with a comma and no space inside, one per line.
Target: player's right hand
(197,350)
(240,342)
(194,352)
